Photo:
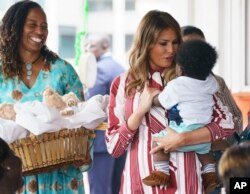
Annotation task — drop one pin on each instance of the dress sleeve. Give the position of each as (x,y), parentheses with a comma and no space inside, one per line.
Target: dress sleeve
(227,99)
(222,124)
(118,135)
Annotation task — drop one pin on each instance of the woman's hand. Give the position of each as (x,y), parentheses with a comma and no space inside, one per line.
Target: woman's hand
(171,142)
(146,98)
(145,104)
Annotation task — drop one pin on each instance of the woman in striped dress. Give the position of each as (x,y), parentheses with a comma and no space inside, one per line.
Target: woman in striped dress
(132,120)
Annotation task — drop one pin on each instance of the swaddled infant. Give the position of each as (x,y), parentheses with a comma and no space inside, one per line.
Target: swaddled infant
(7,111)
(64,104)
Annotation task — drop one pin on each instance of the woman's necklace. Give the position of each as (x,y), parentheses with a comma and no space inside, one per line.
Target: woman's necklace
(29,68)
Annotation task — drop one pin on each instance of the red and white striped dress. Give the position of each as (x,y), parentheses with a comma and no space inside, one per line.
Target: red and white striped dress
(184,167)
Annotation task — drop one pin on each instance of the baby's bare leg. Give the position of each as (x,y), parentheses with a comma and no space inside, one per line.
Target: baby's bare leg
(161,175)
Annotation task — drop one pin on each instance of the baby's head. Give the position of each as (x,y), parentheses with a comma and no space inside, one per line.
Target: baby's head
(195,59)
(70,99)
(52,99)
(7,111)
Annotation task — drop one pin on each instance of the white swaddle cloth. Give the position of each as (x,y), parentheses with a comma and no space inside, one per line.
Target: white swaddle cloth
(39,118)
(10,131)
(91,113)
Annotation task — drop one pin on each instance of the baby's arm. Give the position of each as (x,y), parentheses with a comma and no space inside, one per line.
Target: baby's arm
(156,101)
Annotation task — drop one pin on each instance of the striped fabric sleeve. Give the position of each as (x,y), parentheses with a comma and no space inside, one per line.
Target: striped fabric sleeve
(227,99)
(118,135)
(222,124)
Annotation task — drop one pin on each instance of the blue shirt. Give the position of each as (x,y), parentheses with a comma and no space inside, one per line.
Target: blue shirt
(107,70)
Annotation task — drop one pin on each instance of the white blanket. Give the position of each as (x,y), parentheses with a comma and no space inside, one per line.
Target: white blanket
(11,131)
(39,118)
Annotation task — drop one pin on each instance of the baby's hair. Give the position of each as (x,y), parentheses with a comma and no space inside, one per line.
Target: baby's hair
(196,59)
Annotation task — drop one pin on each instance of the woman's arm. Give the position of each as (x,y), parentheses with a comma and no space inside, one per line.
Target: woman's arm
(123,121)
(72,82)
(225,95)
(222,125)
(146,100)
(175,140)
(118,134)
(226,98)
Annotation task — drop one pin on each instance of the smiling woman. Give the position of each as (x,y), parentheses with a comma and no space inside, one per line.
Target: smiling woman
(27,68)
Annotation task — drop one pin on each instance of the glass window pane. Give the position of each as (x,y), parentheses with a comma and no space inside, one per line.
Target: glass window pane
(129,5)
(100,5)
(128,41)
(67,37)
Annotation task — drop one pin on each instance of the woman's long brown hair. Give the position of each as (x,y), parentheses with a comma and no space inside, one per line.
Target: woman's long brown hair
(151,25)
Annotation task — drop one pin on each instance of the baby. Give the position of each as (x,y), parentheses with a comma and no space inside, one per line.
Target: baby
(64,104)
(7,112)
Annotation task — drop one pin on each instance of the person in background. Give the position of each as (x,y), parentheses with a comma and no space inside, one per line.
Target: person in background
(192,33)
(235,163)
(105,175)
(27,68)
(132,120)
(10,170)
(189,101)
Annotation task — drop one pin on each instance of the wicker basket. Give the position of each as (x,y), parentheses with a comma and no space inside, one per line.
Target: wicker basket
(51,151)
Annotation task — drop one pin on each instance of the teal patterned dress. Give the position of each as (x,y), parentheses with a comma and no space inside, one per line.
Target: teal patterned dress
(62,78)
